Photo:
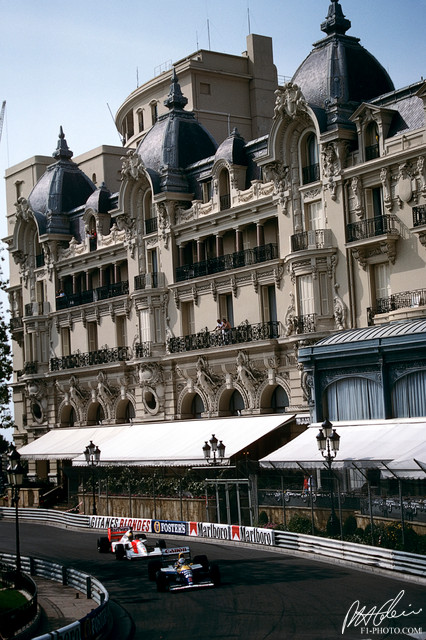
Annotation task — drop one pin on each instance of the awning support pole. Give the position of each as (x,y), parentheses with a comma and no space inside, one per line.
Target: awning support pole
(283,500)
(207,504)
(228,506)
(370,504)
(217,503)
(401,502)
(238,504)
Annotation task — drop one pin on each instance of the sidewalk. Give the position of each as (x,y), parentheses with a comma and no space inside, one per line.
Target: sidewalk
(61,605)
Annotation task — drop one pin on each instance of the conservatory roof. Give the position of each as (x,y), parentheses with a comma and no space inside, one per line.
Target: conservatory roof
(378,443)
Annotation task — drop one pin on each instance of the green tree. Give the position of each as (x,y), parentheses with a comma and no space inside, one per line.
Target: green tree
(6,421)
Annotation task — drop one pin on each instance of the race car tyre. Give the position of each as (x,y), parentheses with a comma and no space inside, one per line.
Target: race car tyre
(215,575)
(153,567)
(202,560)
(161,544)
(120,552)
(103,545)
(161,581)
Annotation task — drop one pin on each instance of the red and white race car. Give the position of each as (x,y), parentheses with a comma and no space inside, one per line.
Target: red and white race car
(124,543)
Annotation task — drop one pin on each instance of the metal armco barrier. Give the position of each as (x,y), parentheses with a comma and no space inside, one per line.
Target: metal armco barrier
(94,623)
(409,564)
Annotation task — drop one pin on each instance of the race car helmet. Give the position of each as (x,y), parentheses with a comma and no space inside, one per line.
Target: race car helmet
(181,560)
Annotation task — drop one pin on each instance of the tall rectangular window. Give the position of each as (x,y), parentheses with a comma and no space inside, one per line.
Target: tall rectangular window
(145,325)
(152,261)
(374,202)
(315,216)
(66,341)
(188,320)
(158,324)
(382,280)
(306,295)
(121,330)
(269,304)
(324,285)
(92,336)
(226,308)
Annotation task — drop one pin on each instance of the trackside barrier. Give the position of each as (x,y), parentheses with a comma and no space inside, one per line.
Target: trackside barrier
(93,625)
(409,564)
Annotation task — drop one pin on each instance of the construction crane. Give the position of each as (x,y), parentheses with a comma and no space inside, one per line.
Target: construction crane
(3,108)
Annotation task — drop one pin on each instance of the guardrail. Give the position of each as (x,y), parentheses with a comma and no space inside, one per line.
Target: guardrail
(12,621)
(409,564)
(94,623)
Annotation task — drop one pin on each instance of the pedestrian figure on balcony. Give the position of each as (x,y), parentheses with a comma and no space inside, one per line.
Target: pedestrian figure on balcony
(226,328)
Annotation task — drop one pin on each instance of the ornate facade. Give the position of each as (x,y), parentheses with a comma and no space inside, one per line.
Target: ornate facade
(314,226)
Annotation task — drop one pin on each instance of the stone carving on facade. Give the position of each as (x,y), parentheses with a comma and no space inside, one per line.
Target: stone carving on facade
(290,317)
(206,381)
(405,186)
(289,99)
(339,310)
(356,187)
(307,384)
(421,173)
(150,374)
(247,376)
(385,179)
(277,172)
(23,209)
(103,391)
(132,165)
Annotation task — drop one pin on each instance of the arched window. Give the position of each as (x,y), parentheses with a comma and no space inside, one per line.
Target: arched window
(354,398)
(409,396)
(372,149)
(236,403)
(197,406)
(310,159)
(279,400)
(224,190)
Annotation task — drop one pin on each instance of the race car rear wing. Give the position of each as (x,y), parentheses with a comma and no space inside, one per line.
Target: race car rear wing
(173,553)
(116,533)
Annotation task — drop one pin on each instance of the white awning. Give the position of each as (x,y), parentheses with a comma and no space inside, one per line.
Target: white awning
(66,444)
(366,443)
(177,443)
(411,464)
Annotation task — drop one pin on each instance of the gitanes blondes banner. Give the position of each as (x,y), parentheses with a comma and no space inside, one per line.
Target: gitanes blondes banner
(236,533)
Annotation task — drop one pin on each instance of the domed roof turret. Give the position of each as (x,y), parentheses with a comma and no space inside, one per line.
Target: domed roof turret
(99,201)
(176,141)
(62,188)
(339,73)
(232,149)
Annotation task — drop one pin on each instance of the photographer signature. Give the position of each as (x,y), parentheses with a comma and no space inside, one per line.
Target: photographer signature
(358,615)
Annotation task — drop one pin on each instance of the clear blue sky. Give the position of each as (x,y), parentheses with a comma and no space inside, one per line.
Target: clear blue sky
(62,61)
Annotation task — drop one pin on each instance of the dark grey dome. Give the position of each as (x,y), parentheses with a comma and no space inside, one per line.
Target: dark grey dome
(62,188)
(232,149)
(99,200)
(339,71)
(176,141)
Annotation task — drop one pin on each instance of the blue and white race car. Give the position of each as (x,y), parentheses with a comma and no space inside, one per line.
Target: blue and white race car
(184,573)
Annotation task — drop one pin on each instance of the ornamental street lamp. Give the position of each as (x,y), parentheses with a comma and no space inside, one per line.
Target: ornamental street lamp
(217,448)
(328,441)
(15,477)
(92,454)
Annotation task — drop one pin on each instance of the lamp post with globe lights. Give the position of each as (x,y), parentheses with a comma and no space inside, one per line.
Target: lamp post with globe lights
(328,441)
(92,453)
(15,477)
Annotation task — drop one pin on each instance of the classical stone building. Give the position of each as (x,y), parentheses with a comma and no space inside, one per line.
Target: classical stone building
(301,216)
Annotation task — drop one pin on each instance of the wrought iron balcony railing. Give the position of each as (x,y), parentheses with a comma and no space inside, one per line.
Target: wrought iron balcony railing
(314,239)
(102,356)
(143,349)
(371,227)
(372,152)
(419,215)
(225,202)
(150,280)
(227,262)
(151,225)
(305,324)
(311,173)
(237,335)
(402,300)
(92,295)
(30,368)
(16,324)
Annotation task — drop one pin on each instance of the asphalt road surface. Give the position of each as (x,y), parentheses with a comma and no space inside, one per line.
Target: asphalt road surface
(263,596)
